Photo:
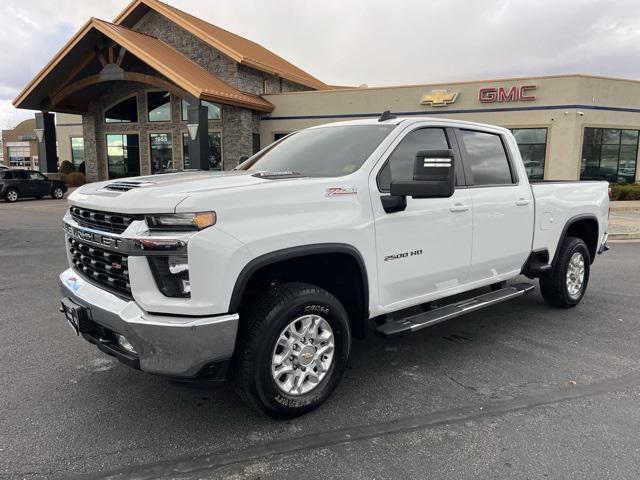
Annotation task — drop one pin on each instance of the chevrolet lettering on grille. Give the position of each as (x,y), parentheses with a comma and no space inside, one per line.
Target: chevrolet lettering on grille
(94,238)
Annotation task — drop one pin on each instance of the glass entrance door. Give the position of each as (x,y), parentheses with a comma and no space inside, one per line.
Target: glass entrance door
(161,152)
(123,155)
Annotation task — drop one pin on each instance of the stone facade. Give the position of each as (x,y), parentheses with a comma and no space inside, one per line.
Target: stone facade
(238,126)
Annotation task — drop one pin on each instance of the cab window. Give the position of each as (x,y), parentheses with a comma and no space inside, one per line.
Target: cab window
(487,158)
(401,162)
(36,176)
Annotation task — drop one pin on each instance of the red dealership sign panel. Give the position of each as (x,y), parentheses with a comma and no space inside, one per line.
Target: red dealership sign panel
(508,94)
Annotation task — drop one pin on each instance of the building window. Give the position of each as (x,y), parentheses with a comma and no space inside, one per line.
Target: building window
(123,112)
(214,111)
(77,151)
(161,152)
(278,136)
(19,156)
(215,151)
(123,155)
(532,143)
(256,142)
(487,158)
(609,154)
(159,106)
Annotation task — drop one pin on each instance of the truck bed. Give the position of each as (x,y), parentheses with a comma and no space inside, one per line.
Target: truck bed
(558,202)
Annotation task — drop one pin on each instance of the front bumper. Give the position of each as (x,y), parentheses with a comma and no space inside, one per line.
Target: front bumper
(176,346)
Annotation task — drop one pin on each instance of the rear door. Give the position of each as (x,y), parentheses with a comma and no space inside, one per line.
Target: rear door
(23,183)
(503,206)
(425,249)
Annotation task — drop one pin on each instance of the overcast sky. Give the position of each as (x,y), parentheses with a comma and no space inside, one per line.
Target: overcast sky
(377,42)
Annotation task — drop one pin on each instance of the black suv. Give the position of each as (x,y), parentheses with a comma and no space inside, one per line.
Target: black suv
(28,183)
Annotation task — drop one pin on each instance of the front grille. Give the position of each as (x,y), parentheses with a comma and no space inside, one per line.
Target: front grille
(104,221)
(108,269)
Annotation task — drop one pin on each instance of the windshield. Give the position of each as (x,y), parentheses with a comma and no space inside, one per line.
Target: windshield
(321,152)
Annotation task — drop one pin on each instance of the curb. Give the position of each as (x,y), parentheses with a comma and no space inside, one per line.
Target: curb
(624,236)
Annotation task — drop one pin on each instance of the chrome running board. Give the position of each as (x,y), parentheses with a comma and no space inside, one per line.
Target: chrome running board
(413,323)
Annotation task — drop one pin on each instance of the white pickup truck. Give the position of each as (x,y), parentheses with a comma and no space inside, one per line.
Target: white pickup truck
(264,274)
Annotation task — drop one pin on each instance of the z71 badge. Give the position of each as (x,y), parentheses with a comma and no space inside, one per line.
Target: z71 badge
(341,191)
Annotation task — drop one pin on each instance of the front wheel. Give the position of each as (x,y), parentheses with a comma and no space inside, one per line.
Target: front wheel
(565,284)
(292,350)
(57,193)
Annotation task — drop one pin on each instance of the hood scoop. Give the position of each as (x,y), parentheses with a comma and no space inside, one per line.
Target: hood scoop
(125,186)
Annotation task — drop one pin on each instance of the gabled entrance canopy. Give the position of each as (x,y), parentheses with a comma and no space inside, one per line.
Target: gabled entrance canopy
(102,52)
(238,48)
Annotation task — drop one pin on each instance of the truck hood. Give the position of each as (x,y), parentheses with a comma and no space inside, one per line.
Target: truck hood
(157,193)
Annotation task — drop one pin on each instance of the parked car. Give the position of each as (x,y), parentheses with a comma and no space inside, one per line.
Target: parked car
(266,273)
(17,183)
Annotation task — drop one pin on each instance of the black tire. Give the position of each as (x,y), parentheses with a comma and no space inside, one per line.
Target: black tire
(11,195)
(553,284)
(261,325)
(57,193)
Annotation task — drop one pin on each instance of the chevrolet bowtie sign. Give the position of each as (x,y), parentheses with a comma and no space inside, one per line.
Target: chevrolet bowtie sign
(439,98)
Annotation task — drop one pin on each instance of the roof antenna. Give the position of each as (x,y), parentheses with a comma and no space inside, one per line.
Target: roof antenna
(386,115)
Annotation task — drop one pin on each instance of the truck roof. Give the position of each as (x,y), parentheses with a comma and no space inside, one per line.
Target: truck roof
(413,119)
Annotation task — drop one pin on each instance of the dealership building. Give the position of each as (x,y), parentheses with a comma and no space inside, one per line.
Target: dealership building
(158,89)
(19,145)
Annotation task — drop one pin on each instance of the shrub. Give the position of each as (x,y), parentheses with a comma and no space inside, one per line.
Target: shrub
(627,191)
(75,179)
(66,168)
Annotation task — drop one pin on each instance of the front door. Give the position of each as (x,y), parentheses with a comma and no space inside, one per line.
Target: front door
(39,184)
(502,207)
(424,251)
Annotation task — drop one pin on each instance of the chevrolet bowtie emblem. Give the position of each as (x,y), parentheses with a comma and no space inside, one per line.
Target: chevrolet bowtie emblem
(439,98)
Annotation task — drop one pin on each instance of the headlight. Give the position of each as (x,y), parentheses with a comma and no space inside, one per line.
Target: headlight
(172,275)
(181,222)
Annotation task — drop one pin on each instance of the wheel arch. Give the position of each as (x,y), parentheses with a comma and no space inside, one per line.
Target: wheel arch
(291,260)
(585,227)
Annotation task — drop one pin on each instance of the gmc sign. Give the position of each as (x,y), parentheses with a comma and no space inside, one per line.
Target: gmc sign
(502,94)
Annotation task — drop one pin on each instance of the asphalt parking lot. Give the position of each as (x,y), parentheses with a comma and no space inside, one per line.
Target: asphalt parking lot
(516,391)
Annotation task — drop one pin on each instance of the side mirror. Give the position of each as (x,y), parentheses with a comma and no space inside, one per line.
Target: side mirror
(433,176)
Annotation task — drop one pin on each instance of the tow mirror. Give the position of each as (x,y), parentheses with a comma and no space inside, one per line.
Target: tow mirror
(433,176)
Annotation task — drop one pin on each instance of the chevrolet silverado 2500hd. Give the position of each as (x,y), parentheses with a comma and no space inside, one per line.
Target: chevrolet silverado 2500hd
(264,274)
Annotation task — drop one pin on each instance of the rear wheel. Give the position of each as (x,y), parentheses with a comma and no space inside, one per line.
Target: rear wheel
(565,284)
(11,195)
(57,193)
(292,350)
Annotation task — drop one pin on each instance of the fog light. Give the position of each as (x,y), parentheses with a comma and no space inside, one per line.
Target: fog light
(124,344)
(172,275)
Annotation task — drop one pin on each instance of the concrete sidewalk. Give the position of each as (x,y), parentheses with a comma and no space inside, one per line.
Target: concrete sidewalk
(624,222)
